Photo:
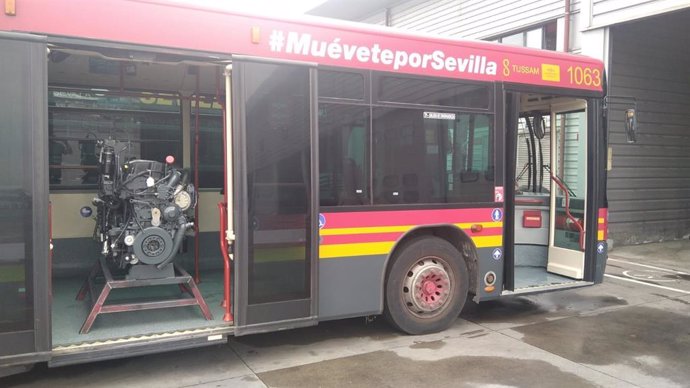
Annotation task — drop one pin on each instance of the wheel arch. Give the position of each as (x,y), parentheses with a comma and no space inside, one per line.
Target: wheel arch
(451,233)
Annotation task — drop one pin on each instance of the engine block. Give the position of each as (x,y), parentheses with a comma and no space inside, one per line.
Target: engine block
(143,210)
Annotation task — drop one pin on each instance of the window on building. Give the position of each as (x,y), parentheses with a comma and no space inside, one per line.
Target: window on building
(542,37)
(152,126)
(431,157)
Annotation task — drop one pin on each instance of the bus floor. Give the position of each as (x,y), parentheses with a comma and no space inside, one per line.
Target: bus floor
(537,276)
(68,314)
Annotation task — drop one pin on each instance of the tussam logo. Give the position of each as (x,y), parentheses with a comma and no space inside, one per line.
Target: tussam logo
(303,44)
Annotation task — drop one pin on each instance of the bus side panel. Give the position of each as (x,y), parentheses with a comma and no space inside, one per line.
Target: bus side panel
(351,286)
(355,248)
(602,246)
(489,260)
(598,125)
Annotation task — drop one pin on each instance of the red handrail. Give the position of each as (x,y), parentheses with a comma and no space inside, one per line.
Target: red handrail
(528,201)
(567,210)
(227,317)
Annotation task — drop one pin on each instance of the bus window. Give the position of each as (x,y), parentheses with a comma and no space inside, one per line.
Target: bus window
(432,92)
(431,157)
(341,85)
(210,143)
(343,154)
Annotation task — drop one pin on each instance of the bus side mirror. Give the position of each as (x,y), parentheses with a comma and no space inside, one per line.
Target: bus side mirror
(630,125)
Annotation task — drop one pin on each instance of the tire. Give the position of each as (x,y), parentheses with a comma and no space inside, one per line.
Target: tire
(438,273)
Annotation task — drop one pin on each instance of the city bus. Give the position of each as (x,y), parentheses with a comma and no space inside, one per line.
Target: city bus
(331,170)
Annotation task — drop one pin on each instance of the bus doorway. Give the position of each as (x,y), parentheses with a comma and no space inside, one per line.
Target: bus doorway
(550,186)
(135,174)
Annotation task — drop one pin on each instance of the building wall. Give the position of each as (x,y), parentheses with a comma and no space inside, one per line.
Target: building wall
(608,12)
(649,185)
(479,19)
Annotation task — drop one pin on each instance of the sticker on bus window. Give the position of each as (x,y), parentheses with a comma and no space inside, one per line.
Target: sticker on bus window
(497,215)
(498,194)
(439,116)
(322,220)
(497,254)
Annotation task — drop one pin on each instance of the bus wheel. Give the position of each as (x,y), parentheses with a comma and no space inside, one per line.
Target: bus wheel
(426,286)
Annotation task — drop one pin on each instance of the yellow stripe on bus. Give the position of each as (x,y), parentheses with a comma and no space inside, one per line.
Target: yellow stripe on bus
(488,241)
(383,248)
(397,228)
(601,220)
(600,235)
(358,249)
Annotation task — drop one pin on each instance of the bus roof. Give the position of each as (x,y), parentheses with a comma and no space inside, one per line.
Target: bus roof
(180,25)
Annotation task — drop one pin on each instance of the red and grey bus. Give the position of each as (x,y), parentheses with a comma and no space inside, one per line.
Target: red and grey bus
(176,174)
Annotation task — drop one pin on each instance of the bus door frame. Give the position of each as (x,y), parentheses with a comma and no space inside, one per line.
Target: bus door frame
(33,345)
(596,188)
(281,310)
(512,112)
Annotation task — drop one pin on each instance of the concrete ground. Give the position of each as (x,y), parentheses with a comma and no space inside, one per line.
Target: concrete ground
(633,330)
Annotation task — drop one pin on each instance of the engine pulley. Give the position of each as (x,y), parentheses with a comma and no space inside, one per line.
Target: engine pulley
(153,245)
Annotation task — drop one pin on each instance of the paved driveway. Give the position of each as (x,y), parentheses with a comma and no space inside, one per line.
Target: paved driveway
(633,330)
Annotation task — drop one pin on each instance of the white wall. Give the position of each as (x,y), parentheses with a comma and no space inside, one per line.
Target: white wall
(607,12)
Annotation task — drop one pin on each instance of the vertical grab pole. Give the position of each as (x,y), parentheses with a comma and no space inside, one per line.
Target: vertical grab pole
(197,277)
(227,232)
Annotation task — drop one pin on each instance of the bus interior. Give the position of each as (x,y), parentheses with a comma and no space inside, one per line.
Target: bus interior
(550,187)
(157,104)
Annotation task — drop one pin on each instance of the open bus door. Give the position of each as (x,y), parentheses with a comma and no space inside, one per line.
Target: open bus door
(568,190)
(275,194)
(24,240)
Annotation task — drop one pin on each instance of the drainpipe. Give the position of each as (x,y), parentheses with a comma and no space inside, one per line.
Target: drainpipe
(566,28)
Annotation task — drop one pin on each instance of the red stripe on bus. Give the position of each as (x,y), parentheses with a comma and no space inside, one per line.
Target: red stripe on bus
(391,236)
(360,238)
(406,217)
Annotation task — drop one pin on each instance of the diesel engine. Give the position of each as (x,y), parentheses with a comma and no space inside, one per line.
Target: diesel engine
(143,211)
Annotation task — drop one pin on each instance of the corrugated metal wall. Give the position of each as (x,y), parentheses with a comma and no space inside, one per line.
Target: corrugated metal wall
(472,18)
(378,17)
(607,12)
(649,186)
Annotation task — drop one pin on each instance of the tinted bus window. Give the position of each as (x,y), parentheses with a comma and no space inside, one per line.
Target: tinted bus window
(343,154)
(278,181)
(339,84)
(432,157)
(428,92)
